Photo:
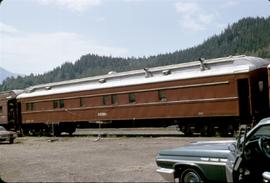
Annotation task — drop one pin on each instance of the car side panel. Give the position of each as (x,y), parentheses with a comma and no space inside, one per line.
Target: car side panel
(213,171)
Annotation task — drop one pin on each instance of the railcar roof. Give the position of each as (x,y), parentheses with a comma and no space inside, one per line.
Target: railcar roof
(213,67)
(10,94)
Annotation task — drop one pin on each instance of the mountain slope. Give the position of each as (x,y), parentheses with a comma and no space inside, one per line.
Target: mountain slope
(5,74)
(250,36)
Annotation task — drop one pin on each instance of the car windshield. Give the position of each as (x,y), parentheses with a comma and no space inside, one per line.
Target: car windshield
(262,131)
(2,128)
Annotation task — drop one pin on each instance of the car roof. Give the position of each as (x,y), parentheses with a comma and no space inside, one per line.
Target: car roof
(264,121)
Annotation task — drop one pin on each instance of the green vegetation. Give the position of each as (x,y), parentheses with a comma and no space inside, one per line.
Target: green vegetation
(249,36)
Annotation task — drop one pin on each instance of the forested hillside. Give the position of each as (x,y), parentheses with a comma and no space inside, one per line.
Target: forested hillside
(4,74)
(250,36)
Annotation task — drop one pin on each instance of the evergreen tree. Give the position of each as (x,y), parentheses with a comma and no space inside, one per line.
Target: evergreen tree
(249,36)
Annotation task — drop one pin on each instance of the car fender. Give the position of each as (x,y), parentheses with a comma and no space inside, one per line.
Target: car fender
(177,167)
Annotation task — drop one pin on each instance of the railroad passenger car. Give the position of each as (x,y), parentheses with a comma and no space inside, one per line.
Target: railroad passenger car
(199,96)
(10,111)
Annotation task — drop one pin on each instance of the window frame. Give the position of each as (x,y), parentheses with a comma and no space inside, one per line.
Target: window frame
(162,95)
(113,99)
(30,106)
(61,103)
(132,98)
(55,104)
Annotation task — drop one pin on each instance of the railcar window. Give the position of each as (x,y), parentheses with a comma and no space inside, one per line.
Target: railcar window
(58,104)
(132,97)
(161,95)
(106,99)
(81,102)
(55,104)
(29,106)
(114,99)
(1,110)
(61,103)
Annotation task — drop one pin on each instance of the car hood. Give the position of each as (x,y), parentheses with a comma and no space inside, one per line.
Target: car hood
(7,133)
(202,148)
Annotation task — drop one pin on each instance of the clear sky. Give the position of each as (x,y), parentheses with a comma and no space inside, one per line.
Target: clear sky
(39,35)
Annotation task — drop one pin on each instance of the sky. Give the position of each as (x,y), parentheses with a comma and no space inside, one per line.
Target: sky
(39,35)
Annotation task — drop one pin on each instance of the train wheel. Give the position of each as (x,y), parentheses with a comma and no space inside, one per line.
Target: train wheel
(55,130)
(11,140)
(230,129)
(25,132)
(227,131)
(205,131)
(188,130)
(209,131)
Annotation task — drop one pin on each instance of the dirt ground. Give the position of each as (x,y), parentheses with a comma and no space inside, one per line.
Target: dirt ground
(83,159)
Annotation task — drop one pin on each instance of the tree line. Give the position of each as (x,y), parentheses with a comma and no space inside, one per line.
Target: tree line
(249,36)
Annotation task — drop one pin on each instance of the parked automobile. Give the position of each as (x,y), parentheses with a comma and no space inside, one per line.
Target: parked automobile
(244,160)
(7,135)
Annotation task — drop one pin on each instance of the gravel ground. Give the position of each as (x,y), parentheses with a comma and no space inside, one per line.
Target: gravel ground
(83,159)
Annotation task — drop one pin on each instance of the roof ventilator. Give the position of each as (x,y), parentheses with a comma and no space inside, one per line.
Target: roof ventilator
(148,73)
(102,80)
(112,72)
(203,66)
(30,90)
(48,87)
(166,72)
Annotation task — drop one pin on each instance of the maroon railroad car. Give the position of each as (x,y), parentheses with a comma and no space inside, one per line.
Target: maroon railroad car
(199,96)
(10,112)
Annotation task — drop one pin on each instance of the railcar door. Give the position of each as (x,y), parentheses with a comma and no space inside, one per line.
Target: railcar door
(11,114)
(18,117)
(14,113)
(244,99)
(259,99)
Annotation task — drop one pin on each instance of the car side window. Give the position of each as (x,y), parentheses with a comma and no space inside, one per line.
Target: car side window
(263,131)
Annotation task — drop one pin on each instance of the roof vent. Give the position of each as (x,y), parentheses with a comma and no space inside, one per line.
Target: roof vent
(148,73)
(203,66)
(48,87)
(102,80)
(112,72)
(30,90)
(166,72)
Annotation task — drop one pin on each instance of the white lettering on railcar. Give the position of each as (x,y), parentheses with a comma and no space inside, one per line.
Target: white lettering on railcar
(101,114)
(200,113)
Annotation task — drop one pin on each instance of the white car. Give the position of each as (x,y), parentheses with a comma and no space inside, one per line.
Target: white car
(7,135)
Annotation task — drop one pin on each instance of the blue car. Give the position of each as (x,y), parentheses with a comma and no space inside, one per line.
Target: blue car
(242,160)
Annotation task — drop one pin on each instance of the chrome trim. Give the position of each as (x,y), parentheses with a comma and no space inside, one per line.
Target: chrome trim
(214,159)
(266,176)
(167,174)
(223,160)
(193,162)
(229,173)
